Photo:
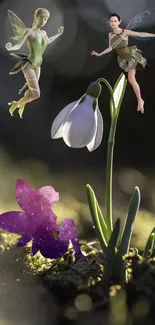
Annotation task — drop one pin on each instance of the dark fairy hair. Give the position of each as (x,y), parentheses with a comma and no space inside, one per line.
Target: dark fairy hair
(115,15)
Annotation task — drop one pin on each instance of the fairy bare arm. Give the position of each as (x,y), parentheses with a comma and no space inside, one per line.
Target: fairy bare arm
(17,46)
(128,32)
(53,38)
(107,50)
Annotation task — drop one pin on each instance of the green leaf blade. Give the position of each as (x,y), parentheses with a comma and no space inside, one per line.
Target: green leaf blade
(149,244)
(110,254)
(126,235)
(98,220)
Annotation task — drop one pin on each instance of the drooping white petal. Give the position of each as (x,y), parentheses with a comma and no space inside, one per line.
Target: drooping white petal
(97,138)
(118,90)
(79,126)
(56,129)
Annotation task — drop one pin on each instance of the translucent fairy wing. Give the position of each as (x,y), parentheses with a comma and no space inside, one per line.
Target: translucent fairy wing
(107,28)
(139,20)
(17,25)
(106,25)
(142,19)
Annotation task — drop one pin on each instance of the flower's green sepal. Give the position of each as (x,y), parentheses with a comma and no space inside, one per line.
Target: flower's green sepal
(98,220)
(94,89)
(149,247)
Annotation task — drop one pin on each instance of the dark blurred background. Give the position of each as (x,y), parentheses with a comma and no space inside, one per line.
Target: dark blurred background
(67,70)
(26,148)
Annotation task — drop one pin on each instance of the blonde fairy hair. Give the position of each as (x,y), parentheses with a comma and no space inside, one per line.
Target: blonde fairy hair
(40,12)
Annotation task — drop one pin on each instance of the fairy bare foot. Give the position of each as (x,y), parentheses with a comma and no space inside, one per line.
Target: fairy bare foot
(21,110)
(140,106)
(13,106)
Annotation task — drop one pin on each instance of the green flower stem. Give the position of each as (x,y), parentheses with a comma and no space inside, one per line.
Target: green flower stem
(110,256)
(113,108)
(109,173)
(109,168)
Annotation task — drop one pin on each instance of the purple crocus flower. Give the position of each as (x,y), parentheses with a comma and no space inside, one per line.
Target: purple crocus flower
(37,222)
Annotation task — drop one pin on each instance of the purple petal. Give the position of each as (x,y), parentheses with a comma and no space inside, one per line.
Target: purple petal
(24,240)
(44,241)
(37,203)
(49,194)
(35,247)
(68,232)
(24,194)
(51,247)
(14,221)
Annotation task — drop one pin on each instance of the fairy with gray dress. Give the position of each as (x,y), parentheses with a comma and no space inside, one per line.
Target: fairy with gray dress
(37,41)
(129,57)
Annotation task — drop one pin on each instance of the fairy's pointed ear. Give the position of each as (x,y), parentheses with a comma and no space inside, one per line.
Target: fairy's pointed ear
(120,22)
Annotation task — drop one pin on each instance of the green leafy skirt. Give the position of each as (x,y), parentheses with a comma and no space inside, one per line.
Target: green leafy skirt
(132,60)
(21,64)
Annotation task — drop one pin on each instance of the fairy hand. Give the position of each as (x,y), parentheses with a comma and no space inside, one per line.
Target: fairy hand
(8,46)
(61,30)
(94,53)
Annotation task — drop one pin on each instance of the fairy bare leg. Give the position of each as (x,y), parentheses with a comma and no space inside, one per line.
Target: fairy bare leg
(38,71)
(20,90)
(31,94)
(28,93)
(26,85)
(136,88)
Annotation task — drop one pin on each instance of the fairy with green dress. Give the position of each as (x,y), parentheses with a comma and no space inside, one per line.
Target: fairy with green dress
(37,41)
(129,57)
